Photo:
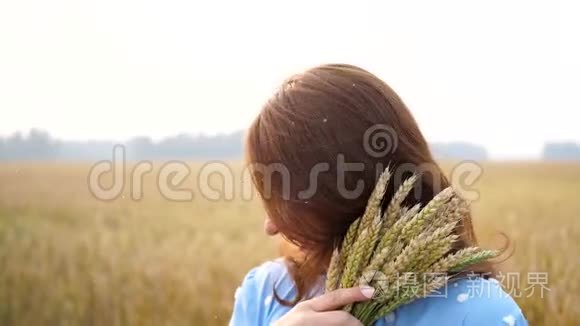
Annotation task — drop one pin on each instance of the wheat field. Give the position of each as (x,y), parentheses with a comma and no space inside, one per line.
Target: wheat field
(67,258)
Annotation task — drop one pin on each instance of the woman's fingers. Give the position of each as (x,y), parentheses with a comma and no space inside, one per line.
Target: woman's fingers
(339,298)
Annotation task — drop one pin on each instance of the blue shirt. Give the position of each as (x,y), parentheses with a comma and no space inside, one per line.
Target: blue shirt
(469,301)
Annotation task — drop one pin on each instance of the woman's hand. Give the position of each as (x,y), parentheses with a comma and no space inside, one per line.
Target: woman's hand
(323,311)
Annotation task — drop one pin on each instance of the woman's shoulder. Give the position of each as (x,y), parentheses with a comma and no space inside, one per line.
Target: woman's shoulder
(487,303)
(469,301)
(269,277)
(254,300)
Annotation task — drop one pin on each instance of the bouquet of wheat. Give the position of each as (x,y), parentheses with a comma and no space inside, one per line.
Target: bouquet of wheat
(388,249)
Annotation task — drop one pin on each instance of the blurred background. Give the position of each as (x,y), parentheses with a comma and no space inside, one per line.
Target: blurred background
(494,82)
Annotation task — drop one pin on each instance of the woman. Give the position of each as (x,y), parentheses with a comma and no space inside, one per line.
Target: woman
(314,158)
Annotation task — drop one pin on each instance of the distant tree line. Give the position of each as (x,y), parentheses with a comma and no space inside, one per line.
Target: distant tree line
(39,145)
(561,151)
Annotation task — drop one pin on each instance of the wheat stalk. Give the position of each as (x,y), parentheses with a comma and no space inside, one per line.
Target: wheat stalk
(338,260)
(384,249)
(369,225)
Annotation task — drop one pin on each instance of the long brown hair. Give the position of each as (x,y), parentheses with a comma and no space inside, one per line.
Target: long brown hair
(322,120)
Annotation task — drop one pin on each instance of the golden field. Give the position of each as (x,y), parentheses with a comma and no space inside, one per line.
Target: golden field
(67,258)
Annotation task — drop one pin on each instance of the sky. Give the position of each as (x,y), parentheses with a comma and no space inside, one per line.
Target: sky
(503,74)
